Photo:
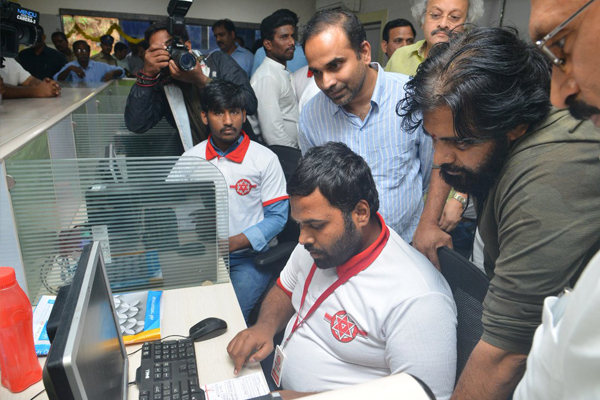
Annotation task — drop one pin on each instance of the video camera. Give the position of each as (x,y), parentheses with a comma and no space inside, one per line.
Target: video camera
(177,10)
(18,25)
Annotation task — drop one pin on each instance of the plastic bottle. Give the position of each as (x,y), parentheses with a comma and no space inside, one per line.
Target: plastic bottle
(19,365)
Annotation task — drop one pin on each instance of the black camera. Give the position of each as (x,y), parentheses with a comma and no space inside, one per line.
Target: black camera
(177,10)
(18,25)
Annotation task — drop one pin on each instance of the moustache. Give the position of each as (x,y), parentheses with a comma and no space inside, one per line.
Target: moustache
(311,249)
(228,129)
(445,31)
(580,109)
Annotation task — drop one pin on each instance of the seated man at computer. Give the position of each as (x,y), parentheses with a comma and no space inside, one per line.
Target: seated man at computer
(359,303)
(258,202)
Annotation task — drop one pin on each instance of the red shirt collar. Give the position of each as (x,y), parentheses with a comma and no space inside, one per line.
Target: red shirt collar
(236,155)
(367,256)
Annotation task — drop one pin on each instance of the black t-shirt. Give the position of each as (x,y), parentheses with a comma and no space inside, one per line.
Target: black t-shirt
(48,63)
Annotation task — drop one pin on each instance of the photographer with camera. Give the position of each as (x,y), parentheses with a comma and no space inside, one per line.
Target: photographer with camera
(170,82)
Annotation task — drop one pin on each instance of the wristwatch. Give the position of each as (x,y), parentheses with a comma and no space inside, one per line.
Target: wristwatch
(461,199)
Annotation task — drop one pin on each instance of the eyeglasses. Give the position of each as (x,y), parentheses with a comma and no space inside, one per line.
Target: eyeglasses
(554,52)
(436,16)
(78,51)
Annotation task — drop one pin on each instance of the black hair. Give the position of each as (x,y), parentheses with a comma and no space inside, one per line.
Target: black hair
(226,23)
(397,23)
(491,80)
(272,22)
(144,44)
(162,26)
(289,13)
(78,42)
(61,34)
(341,175)
(349,23)
(221,95)
(120,46)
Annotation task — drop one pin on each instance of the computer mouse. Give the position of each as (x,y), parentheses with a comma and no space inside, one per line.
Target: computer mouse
(207,329)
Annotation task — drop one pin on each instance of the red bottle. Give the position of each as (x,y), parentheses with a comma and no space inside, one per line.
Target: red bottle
(19,365)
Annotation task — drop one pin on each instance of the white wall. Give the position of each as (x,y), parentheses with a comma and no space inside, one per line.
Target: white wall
(236,10)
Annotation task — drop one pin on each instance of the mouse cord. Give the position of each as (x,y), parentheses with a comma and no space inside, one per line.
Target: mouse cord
(40,392)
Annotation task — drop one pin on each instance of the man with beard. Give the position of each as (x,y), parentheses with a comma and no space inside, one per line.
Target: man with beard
(437,18)
(534,174)
(258,204)
(359,302)
(357,106)
(86,70)
(564,358)
(276,119)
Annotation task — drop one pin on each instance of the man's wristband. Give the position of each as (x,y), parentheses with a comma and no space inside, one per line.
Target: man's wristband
(146,80)
(461,199)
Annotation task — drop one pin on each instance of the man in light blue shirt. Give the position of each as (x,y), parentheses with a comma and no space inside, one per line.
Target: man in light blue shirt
(86,70)
(225,34)
(299,59)
(357,106)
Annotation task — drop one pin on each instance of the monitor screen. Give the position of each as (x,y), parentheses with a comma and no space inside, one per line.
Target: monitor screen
(87,359)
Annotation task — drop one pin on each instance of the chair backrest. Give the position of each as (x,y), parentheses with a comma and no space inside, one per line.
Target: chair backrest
(289,158)
(469,287)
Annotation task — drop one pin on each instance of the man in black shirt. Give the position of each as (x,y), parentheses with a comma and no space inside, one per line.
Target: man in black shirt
(40,60)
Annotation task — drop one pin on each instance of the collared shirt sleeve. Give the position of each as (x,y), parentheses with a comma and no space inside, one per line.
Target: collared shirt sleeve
(262,233)
(270,116)
(110,68)
(425,156)
(67,65)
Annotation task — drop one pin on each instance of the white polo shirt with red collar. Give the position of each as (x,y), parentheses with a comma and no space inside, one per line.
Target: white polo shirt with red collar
(396,315)
(254,180)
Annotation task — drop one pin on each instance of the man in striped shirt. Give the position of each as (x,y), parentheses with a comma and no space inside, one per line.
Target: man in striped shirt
(357,106)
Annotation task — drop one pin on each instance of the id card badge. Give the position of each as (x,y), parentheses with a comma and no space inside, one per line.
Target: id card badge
(278,361)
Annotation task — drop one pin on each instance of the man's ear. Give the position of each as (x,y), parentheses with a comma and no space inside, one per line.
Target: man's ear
(244,115)
(365,52)
(517,132)
(267,45)
(361,214)
(384,46)
(204,117)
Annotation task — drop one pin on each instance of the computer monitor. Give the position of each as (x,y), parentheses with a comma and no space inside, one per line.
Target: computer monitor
(87,358)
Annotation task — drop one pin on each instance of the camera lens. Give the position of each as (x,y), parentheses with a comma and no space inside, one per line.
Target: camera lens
(184,60)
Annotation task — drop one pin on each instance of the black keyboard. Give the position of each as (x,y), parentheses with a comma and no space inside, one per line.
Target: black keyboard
(168,371)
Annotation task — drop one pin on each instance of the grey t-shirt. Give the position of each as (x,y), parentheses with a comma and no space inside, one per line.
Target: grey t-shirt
(540,226)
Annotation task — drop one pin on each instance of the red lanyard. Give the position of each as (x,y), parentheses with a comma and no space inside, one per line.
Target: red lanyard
(373,252)
(340,281)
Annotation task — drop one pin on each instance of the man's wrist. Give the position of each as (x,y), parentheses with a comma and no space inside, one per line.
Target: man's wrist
(458,197)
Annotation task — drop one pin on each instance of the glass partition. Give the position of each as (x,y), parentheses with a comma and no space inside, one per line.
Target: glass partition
(159,228)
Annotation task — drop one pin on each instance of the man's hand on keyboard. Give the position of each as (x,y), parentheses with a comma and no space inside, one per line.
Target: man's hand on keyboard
(250,345)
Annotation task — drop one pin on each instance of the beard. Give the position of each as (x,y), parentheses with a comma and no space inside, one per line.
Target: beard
(352,90)
(477,182)
(344,248)
(580,109)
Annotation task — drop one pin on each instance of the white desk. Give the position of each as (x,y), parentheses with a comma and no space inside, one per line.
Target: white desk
(24,119)
(182,309)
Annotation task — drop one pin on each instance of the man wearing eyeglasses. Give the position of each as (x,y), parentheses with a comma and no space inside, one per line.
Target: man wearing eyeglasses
(437,18)
(534,173)
(565,358)
(86,70)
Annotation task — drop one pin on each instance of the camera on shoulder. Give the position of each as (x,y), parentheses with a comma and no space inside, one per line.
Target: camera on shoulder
(18,26)
(177,10)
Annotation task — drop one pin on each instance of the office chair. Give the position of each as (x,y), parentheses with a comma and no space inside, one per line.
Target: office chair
(469,286)
(276,257)
(287,239)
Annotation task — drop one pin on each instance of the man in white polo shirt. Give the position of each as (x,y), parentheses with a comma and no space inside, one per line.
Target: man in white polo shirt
(258,202)
(359,303)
